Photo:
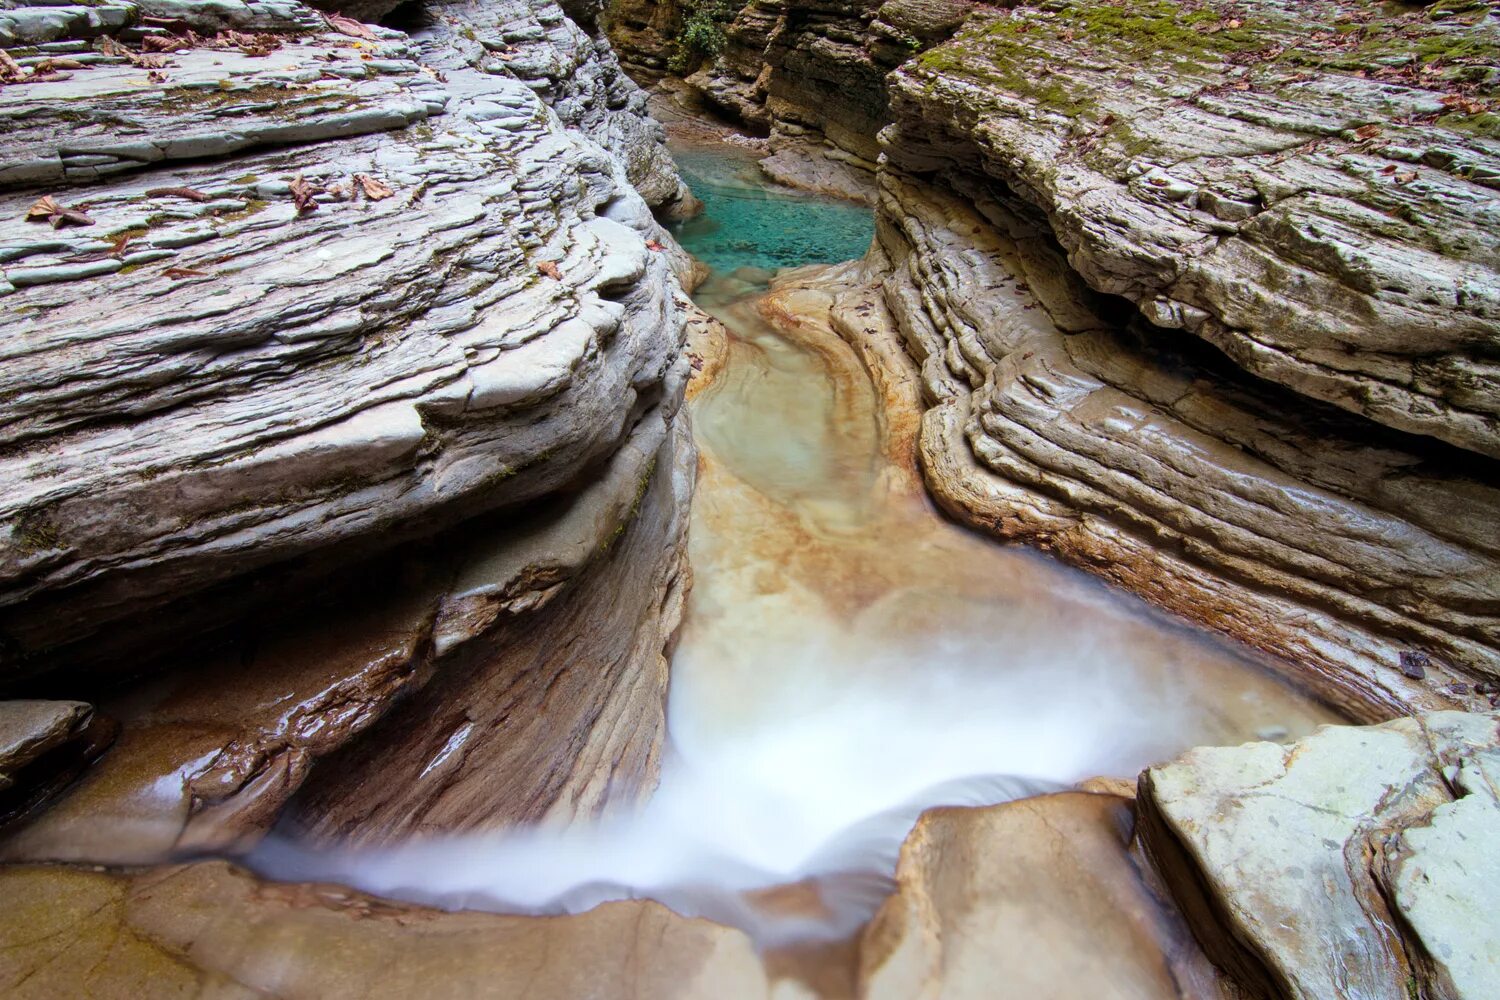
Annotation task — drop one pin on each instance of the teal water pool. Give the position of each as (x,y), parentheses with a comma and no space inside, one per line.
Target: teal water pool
(750,222)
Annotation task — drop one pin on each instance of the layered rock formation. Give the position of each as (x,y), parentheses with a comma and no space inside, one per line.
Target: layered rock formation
(43,747)
(811,76)
(1364,555)
(312,289)
(1355,861)
(322,343)
(1204,300)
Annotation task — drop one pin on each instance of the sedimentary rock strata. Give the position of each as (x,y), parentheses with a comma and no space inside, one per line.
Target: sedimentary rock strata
(1251,508)
(294,298)
(211,929)
(338,337)
(559,713)
(809,75)
(1355,859)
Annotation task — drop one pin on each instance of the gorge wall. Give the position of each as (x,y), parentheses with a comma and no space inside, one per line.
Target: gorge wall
(1204,300)
(339,359)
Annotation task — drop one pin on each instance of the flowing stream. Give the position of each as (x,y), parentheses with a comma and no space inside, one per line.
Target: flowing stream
(849,658)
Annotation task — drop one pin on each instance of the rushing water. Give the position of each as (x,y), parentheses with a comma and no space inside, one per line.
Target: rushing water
(848,657)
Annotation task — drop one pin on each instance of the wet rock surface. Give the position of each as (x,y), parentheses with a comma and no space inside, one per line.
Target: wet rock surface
(210,929)
(1040,896)
(43,747)
(1354,860)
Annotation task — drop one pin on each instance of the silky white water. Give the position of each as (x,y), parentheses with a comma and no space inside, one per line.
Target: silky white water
(848,659)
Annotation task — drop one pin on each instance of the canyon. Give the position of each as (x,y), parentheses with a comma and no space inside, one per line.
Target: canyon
(507,497)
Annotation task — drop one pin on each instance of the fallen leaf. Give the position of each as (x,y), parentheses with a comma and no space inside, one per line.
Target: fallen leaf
(1406,177)
(654,245)
(302,195)
(1367,131)
(45,208)
(156,76)
(10,70)
(184,272)
(178,192)
(161,43)
(1389,168)
(549,268)
(1414,663)
(349,26)
(121,242)
(70,217)
(373,189)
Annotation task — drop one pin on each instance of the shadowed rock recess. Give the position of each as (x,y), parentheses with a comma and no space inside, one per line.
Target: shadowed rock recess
(1204,299)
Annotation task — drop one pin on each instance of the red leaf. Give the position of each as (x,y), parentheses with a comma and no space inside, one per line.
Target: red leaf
(302,194)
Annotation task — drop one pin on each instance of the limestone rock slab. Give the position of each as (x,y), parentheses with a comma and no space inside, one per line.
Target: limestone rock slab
(1355,862)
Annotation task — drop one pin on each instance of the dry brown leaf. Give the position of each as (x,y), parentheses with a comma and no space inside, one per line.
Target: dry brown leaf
(184,272)
(10,70)
(302,194)
(374,190)
(1406,177)
(1367,131)
(550,269)
(121,242)
(654,245)
(161,43)
(45,208)
(178,192)
(349,26)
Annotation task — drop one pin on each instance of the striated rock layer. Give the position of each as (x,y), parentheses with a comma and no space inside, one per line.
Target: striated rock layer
(811,76)
(362,354)
(1360,553)
(292,334)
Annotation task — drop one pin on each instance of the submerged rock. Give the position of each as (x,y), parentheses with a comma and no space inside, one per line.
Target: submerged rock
(1355,862)
(210,929)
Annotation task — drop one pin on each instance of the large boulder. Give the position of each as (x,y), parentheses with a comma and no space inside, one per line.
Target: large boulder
(1037,898)
(1355,862)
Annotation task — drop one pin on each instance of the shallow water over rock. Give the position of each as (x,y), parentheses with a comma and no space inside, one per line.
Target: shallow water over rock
(849,658)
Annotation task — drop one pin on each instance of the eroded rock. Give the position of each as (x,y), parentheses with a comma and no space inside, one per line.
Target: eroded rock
(211,929)
(1036,898)
(43,747)
(290,369)
(1354,862)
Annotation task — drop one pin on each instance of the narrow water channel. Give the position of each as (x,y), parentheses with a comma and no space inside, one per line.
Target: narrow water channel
(849,658)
